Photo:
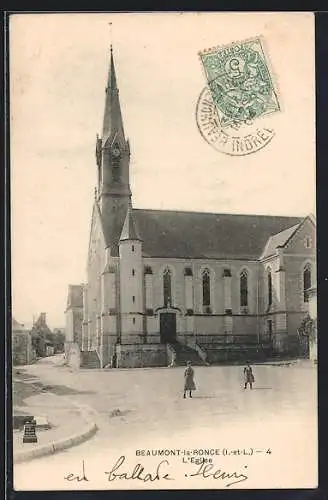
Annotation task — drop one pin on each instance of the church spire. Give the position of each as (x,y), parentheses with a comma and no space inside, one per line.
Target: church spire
(113,162)
(113,123)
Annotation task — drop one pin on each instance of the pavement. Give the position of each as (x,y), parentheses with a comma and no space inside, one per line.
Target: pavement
(140,409)
(60,422)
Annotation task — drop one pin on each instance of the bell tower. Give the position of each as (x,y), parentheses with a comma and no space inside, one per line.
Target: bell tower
(113,161)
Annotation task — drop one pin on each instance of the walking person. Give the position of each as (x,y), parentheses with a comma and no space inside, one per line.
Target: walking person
(248,376)
(189,384)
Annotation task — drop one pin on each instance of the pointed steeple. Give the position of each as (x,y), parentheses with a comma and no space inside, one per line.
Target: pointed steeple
(130,229)
(113,162)
(113,123)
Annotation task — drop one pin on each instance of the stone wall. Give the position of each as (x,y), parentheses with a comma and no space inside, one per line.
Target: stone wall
(95,266)
(72,355)
(142,355)
(73,327)
(77,322)
(69,325)
(22,350)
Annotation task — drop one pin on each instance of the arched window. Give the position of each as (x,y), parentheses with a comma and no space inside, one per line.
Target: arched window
(269,287)
(306,282)
(206,280)
(243,289)
(167,287)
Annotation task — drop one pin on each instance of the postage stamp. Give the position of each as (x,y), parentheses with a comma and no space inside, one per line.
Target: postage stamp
(239,92)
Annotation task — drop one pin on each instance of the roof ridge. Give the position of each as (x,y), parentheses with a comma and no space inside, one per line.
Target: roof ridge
(218,213)
(287,229)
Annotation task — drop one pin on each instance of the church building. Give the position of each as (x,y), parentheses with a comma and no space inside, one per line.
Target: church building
(165,286)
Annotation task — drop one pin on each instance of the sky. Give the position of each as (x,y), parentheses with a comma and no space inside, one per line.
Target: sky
(58,73)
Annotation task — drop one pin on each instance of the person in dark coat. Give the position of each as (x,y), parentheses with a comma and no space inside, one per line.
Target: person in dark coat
(248,375)
(189,384)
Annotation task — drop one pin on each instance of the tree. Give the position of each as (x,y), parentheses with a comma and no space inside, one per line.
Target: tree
(58,340)
(307,328)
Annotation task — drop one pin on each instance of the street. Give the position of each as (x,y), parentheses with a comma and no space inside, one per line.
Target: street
(143,409)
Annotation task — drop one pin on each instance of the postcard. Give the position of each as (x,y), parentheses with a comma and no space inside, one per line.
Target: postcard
(164,323)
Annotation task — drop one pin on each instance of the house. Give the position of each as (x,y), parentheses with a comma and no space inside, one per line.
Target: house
(22,350)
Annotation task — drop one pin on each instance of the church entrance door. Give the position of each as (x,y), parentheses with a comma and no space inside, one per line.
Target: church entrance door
(168,327)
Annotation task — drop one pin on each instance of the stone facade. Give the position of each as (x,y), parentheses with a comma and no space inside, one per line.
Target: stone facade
(157,278)
(22,349)
(74,314)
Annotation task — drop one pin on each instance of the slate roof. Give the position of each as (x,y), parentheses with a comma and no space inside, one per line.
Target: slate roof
(112,116)
(130,229)
(199,235)
(278,240)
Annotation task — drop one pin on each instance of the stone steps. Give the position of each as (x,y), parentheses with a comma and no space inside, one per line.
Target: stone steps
(185,353)
(89,359)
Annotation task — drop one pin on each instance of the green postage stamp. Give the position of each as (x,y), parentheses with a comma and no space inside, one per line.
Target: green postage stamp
(240,87)
(240,82)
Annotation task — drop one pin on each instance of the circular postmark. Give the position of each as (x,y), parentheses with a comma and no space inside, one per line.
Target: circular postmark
(235,138)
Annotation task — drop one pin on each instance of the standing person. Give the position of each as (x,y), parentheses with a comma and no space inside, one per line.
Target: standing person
(189,384)
(248,375)
(114,359)
(174,360)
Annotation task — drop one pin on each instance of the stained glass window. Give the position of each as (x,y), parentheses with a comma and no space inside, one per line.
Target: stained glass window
(243,289)
(167,283)
(206,287)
